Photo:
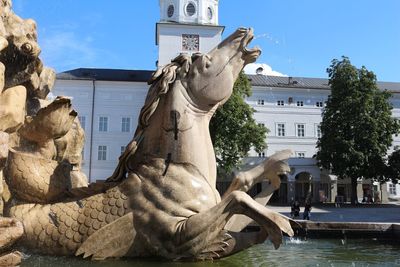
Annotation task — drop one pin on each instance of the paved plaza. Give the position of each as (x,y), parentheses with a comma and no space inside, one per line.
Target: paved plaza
(375,213)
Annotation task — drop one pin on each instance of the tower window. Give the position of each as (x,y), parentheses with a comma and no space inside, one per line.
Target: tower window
(190,9)
(170,11)
(209,13)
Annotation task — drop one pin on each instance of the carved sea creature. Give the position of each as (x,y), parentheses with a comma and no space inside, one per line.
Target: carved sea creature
(162,198)
(164,193)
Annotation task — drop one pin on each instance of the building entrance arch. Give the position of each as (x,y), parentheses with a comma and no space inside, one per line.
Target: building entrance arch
(303,186)
(280,195)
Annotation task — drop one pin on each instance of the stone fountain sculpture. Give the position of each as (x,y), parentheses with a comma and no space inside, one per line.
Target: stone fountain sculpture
(161,199)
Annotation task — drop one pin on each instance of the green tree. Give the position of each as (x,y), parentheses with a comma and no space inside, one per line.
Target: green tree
(233,129)
(394,166)
(357,125)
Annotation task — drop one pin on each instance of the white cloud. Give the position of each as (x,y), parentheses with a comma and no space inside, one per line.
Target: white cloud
(64,50)
(264,68)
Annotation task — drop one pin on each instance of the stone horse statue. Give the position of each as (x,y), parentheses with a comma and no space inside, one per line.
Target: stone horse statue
(162,198)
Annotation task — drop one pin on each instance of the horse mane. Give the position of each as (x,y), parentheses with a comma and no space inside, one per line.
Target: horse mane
(160,83)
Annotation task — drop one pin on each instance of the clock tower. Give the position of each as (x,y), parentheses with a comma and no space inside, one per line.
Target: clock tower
(187,26)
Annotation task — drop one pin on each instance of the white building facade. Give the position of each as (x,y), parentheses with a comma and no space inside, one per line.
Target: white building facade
(291,108)
(108,102)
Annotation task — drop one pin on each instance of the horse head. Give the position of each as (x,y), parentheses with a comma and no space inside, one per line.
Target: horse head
(211,76)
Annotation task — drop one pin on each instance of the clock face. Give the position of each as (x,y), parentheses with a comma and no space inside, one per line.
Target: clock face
(190,42)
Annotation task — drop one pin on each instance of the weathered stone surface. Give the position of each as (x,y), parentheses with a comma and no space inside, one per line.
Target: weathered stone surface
(12,108)
(37,180)
(32,85)
(70,146)
(3,43)
(2,70)
(78,179)
(11,230)
(3,149)
(11,259)
(3,159)
(51,122)
(47,80)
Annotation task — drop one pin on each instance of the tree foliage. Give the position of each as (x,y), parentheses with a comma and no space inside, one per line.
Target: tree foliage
(357,125)
(394,166)
(233,129)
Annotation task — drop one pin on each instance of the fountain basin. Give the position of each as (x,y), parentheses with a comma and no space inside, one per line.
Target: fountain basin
(294,252)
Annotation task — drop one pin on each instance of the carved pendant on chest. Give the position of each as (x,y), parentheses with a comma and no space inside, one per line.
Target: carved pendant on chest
(178,122)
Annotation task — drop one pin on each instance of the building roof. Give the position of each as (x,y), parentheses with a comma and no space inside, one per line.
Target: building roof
(309,83)
(106,75)
(256,80)
(295,82)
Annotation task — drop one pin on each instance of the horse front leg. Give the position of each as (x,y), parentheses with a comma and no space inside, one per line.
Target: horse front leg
(269,169)
(205,233)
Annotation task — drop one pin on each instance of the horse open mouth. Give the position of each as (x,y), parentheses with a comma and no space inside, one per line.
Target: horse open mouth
(250,54)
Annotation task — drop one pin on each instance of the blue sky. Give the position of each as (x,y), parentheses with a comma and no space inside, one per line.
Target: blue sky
(298,38)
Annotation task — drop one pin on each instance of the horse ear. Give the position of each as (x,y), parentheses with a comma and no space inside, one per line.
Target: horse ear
(184,61)
(155,75)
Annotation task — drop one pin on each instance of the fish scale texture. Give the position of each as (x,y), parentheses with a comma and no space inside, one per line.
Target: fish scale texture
(61,228)
(31,179)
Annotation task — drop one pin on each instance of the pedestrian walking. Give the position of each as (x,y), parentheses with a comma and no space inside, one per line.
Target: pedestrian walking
(307,210)
(295,210)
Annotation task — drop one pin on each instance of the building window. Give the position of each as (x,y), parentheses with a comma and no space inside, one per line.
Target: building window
(280,129)
(210,13)
(103,124)
(102,153)
(317,130)
(261,155)
(392,189)
(190,9)
(126,125)
(301,155)
(319,104)
(260,102)
(122,149)
(170,11)
(280,103)
(300,103)
(82,120)
(300,130)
